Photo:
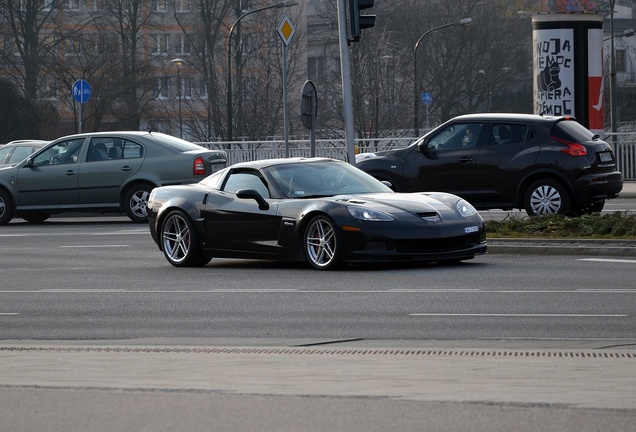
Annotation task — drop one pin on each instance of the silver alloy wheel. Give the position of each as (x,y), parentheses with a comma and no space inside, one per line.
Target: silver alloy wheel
(321,243)
(546,200)
(139,203)
(176,238)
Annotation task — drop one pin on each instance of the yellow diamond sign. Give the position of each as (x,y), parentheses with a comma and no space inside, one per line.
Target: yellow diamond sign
(286,30)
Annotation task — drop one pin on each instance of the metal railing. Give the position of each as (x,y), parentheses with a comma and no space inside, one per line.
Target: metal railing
(242,151)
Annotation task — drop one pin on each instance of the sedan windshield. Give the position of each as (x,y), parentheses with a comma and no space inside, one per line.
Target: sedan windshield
(320,179)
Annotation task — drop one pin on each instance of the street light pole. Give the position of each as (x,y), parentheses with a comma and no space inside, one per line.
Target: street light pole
(178,62)
(229,58)
(465,22)
(483,72)
(612,76)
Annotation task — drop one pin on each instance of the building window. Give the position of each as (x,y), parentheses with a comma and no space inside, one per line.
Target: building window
(203,89)
(161,5)
(316,68)
(48,5)
(621,60)
(162,43)
(73,5)
(183,44)
(183,5)
(161,90)
(186,87)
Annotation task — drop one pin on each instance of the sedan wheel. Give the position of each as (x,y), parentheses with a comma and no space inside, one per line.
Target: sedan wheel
(546,197)
(136,202)
(6,208)
(180,244)
(322,244)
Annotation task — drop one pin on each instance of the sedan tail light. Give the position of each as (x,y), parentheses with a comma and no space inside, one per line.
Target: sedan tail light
(573,149)
(198,168)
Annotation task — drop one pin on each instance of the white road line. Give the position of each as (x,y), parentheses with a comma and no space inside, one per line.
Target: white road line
(9,313)
(94,246)
(608,260)
(522,315)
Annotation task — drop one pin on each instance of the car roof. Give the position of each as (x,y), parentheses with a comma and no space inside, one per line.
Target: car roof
(110,134)
(264,163)
(512,117)
(32,142)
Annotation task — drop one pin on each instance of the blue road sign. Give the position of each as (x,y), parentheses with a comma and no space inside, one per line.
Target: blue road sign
(427,98)
(81,91)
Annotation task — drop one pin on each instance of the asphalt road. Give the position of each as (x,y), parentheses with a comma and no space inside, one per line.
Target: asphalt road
(100,333)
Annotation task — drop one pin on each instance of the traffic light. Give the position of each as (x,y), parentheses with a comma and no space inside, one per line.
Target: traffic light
(359,22)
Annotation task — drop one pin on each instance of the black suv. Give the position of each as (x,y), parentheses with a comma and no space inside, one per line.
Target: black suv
(541,164)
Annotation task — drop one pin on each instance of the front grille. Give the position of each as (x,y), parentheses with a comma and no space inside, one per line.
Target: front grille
(437,245)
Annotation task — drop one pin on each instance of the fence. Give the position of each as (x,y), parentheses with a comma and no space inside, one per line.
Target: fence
(242,151)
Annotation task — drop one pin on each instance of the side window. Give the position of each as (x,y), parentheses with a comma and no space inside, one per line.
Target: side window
(503,133)
(64,152)
(246,180)
(455,136)
(132,150)
(19,154)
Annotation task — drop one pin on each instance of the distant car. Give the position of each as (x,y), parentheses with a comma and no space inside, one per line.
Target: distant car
(16,151)
(102,171)
(321,211)
(544,165)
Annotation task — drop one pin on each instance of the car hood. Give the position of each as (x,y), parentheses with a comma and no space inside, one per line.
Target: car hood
(408,202)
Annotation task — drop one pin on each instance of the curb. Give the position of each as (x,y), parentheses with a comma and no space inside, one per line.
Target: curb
(614,248)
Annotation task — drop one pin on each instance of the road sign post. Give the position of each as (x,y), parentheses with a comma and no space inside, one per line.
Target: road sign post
(286,31)
(81,93)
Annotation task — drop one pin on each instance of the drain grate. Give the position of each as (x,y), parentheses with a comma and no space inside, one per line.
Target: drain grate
(329,352)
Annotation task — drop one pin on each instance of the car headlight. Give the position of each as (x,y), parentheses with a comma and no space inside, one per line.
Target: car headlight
(362,156)
(465,208)
(368,214)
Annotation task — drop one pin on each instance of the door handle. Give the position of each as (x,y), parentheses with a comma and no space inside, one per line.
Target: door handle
(465,160)
(70,173)
(126,168)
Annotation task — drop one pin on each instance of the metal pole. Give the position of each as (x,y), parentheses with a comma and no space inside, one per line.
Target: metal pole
(229,59)
(613,122)
(416,111)
(179,97)
(285,113)
(345,71)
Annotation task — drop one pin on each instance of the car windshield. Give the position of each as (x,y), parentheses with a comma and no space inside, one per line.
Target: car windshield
(320,179)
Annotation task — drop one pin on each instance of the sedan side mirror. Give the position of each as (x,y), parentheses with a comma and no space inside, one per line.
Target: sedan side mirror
(252,194)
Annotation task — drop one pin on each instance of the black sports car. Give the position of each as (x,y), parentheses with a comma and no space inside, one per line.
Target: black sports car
(319,210)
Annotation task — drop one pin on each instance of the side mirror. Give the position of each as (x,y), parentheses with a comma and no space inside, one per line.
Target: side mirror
(252,194)
(29,162)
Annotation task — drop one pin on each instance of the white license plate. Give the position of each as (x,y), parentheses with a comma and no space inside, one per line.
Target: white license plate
(605,157)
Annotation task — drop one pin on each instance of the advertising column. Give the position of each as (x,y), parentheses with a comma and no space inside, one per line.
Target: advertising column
(568,67)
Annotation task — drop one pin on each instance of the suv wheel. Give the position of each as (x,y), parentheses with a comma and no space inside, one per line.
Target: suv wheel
(546,197)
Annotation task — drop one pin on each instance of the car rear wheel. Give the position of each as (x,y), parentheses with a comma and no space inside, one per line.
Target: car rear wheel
(6,208)
(180,243)
(322,243)
(136,202)
(546,197)
(35,217)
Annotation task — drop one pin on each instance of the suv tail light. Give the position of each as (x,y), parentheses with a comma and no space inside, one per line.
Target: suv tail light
(573,149)
(198,167)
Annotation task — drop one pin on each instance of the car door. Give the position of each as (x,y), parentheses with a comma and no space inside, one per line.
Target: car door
(239,224)
(512,149)
(445,162)
(51,179)
(108,163)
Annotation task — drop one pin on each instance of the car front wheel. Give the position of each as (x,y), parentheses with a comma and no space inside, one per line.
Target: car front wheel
(136,202)
(180,244)
(546,197)
(322,243)
(6,208)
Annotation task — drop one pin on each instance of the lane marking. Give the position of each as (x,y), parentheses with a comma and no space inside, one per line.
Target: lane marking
(608,260)
(314,291)
(94,246)
(522,315)
(9,313)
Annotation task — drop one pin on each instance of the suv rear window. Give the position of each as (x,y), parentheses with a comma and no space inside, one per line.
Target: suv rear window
(571,131)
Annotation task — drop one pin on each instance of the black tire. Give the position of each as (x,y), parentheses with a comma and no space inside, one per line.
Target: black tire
(6,207)
(321,243)
(136,202)
(35,217)
(179,241)
(546,197)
